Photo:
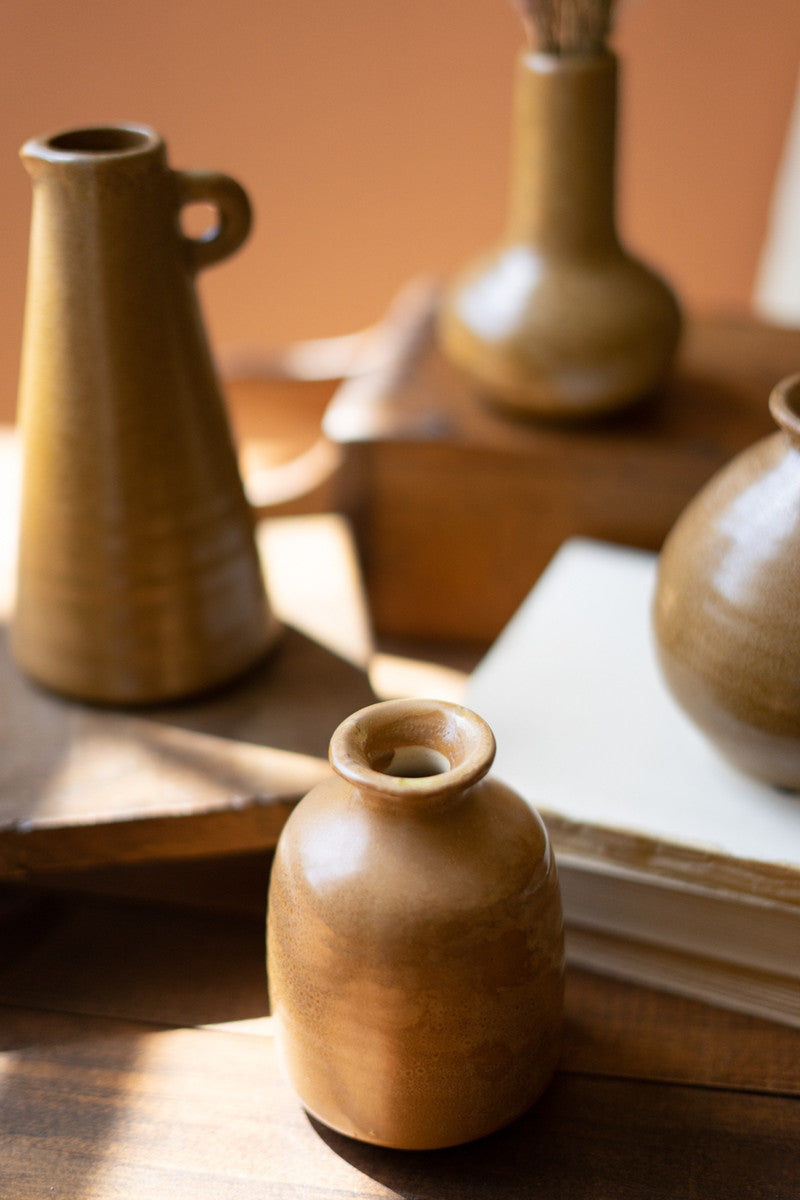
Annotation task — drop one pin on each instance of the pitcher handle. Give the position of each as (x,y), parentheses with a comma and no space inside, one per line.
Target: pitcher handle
(234,215)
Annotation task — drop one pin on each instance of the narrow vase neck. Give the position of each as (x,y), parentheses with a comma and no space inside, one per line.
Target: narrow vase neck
(563,154)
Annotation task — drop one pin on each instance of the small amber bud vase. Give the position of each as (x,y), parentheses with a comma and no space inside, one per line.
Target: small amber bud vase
(415,939)
(560,321)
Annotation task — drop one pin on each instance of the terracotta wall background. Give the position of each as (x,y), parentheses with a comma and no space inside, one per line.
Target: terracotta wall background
(373,137)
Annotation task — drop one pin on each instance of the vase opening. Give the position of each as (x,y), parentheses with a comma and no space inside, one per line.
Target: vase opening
(397,749)
(100,140)
(412,762)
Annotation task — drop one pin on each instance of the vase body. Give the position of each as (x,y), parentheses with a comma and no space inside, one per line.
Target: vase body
(415,943)
(560,321)
(138,577)
(726,616)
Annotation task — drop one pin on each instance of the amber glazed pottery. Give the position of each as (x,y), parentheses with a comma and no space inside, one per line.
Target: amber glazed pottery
(415,943)
(560,321)
(138,576)
(726,613)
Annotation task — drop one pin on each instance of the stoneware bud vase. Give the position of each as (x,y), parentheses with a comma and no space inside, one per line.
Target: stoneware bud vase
(415,941)
(560,321)
(726,614)
(138,577)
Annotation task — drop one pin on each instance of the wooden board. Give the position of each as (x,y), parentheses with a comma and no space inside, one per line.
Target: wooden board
(86,955)
(95,1109)
(458,509)
(137,1059)
(83,786)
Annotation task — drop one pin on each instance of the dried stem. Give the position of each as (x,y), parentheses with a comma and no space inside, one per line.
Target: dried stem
(566,26)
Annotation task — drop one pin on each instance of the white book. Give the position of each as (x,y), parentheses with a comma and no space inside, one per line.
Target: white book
(666,852)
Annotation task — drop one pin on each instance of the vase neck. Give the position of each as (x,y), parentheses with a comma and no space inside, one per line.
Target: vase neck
(412,756)
(563,154)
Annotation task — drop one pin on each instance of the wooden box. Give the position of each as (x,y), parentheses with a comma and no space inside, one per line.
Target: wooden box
(458,507)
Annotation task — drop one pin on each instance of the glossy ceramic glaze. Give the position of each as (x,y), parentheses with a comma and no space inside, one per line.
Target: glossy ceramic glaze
(138,575)
(415,945)
(560,321)
(726,613)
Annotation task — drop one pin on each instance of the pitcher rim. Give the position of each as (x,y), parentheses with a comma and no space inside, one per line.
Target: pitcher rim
(102,142)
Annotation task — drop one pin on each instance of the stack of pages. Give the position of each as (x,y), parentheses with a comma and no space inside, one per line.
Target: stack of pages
(676,870)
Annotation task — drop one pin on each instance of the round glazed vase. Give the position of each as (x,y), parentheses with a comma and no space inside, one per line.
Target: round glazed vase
(560,321)
(415,942)
(726,613)
(138,576)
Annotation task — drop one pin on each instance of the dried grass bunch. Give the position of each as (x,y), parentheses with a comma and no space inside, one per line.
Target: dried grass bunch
(566,26)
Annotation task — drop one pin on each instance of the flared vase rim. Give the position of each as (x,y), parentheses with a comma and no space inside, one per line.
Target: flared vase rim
(365,746)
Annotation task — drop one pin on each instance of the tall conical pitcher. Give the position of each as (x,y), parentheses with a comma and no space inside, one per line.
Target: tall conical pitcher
(138,577)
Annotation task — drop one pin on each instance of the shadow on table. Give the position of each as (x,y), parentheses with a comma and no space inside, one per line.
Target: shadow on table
(590,1137)
(79,783)
(293,700)
(109,957)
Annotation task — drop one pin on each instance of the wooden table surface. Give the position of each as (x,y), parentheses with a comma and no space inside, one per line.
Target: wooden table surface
(137,1061)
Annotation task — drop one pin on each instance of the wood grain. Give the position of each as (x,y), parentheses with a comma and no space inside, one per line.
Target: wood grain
(96,1108)
(136,1059)
(172,964)
(628,1032)
(79,785)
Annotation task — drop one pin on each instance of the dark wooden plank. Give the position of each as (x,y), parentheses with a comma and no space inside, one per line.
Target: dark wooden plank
(160,963)
(94,1109)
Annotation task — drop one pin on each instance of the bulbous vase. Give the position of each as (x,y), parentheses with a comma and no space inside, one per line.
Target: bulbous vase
(559,320)
(726,615)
